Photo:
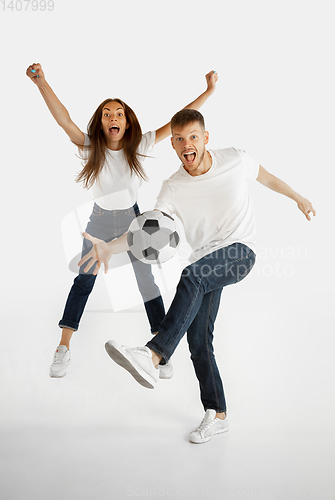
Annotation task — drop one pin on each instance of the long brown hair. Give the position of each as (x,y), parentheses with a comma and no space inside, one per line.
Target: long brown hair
(98,146)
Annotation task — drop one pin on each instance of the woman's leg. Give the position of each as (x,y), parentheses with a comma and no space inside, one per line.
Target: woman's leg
(66,337)
(150,292)
(148,289)
(100,226)
(77,298)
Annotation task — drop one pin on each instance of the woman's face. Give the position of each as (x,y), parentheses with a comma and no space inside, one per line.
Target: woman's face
(114,122)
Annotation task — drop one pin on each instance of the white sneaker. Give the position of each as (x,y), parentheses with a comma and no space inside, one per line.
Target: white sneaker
(208,427)
(62,359)
(166,371)
(136,360)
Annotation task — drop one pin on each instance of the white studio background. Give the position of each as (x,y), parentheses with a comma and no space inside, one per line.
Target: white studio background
(275,330)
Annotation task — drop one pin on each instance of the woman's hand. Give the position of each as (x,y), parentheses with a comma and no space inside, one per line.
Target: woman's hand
(100,254)
(211,79)
(35,73)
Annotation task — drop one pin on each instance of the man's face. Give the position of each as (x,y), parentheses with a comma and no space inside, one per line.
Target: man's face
(189,143)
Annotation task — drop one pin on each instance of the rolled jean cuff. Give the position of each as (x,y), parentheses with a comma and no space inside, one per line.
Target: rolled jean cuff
(68,324)
(152,346)
(217,410)
(154,330)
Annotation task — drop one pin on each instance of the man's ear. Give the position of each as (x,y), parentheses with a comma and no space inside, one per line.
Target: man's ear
(172,142)
(206,137)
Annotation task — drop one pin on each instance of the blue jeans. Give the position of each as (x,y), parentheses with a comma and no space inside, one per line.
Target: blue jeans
(194,310)
(108,225)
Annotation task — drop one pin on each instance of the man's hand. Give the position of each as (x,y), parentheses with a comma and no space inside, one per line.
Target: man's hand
(100,254)
(306,207)
(211,79)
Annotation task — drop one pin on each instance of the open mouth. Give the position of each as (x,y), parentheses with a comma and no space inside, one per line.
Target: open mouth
(189,157)
(114,130)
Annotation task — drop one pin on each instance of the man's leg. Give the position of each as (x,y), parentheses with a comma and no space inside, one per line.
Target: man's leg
(200,340)
(214,271)
(221,268)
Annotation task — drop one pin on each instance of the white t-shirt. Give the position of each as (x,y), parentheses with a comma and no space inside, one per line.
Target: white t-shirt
(215,208)
(116,187)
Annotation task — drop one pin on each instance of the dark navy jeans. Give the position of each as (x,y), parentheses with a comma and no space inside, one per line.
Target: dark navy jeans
(108,225)
(194,310)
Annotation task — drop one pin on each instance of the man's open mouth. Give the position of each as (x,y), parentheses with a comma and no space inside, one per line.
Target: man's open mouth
(114,129)
(189,157)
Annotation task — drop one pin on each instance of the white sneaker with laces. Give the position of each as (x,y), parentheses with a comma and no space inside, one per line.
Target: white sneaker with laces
(208,427)
(166,371)
(62,359)
(136,360)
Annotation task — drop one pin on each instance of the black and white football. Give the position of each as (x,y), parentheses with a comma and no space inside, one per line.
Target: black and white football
(152,237)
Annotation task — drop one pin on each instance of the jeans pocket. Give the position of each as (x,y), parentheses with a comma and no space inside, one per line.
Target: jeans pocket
(97,210)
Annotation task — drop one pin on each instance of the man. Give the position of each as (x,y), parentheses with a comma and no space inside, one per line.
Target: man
(209,193)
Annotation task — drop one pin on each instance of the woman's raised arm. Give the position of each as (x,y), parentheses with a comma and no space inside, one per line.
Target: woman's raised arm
(57,109)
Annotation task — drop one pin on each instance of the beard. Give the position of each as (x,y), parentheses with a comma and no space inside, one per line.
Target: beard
(194,167)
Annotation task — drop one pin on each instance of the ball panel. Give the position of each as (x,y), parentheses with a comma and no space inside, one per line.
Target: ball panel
(165,254)
(150,254)
(136,253)
(141,240)
(174,239)
(159,240)
(151,226)
(141,221)
(130,238)
(153,214)
(136,224)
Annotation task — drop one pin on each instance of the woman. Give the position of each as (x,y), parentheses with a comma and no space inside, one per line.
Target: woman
(113,151)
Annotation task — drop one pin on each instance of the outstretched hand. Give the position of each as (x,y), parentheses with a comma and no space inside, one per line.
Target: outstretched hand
(100,254)
(211,79)
(306,207)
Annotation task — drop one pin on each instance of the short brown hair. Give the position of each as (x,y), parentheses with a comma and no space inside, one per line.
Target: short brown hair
(186,116)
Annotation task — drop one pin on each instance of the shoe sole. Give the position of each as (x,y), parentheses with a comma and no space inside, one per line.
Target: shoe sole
(167,376)
(123,359)
(205,440)
(57,375)
(53,375)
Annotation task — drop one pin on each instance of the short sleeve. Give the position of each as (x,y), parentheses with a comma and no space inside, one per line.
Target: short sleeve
(165,202)
(84,153)
(251,165)
(147,142)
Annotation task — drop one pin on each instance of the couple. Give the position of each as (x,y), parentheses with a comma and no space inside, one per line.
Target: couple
(209,193)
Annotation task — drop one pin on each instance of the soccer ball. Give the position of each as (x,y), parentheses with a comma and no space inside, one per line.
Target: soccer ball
(152,237)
